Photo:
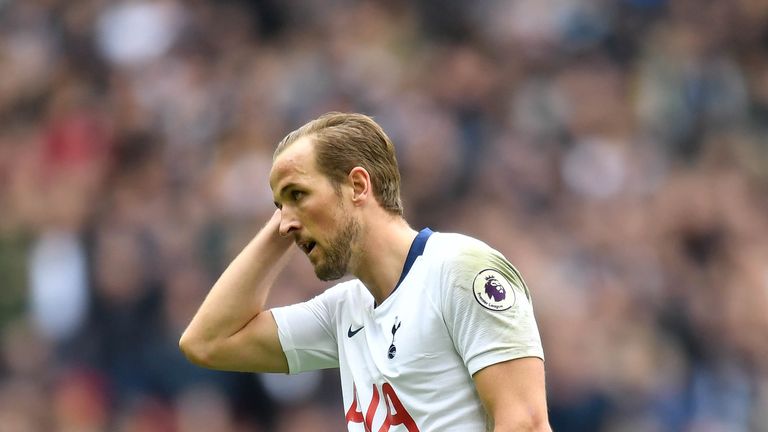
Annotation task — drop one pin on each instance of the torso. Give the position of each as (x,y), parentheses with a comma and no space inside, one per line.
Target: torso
(419,363)
(447,325)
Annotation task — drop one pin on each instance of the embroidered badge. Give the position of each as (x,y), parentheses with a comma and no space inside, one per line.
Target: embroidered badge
(493,291)
(392,348)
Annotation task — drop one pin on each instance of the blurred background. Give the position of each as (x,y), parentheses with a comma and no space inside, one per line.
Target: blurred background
(615,150)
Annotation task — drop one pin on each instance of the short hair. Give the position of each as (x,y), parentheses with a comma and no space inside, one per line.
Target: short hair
(344,141)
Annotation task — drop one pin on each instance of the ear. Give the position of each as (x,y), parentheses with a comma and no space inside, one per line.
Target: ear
(361,184)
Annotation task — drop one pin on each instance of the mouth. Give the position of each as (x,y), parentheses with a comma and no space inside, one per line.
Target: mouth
(307,246)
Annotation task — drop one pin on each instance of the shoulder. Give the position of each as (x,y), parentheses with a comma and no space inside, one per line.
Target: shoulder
(459,250)
(351,292)
(469,263)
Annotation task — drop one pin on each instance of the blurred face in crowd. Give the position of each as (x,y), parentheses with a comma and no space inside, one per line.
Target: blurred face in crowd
(313,210)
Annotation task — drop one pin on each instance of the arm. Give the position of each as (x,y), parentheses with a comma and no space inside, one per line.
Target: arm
(231,330)
(490,316)
(513,394)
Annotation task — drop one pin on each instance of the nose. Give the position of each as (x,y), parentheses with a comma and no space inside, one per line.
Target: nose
(288,222)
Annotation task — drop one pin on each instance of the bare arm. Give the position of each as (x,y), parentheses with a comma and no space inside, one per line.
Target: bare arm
(231,330)
(513,394)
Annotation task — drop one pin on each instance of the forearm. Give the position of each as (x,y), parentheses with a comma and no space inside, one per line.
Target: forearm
(241,292)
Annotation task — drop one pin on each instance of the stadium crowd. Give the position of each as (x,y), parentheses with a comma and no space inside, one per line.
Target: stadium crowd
(615,151)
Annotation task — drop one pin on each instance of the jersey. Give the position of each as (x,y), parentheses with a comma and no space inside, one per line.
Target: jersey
(407,364)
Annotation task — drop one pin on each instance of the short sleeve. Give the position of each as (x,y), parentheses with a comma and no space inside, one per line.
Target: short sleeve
(307,333)
(488,310)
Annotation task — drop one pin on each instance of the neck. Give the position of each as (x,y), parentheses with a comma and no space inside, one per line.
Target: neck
(383,249)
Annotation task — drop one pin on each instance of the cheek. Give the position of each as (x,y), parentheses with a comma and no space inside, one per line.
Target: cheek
(320,217)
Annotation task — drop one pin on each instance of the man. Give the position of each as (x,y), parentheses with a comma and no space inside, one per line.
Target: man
(436,333)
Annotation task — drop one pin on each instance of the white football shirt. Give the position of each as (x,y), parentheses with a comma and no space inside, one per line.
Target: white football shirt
(407,364)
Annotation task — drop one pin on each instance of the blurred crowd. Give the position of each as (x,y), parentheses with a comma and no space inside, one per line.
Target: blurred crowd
(615,150)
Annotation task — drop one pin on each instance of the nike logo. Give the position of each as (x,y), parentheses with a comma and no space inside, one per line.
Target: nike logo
(351,333)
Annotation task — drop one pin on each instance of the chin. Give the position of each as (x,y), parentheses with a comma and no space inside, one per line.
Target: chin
(325,274)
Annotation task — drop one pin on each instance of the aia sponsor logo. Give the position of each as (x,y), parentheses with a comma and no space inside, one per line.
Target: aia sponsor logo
(396,414)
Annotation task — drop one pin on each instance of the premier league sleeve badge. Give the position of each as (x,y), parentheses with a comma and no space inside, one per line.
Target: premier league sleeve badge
(493,291)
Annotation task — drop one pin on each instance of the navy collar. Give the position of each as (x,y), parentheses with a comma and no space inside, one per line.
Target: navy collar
(416,250)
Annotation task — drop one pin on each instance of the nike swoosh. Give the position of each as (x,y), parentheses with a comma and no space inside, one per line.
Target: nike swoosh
(351,333)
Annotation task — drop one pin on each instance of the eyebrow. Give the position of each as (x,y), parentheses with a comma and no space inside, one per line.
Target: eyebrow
(282,192)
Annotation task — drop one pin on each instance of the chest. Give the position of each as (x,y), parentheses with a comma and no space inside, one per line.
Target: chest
(405,338)
(399,366)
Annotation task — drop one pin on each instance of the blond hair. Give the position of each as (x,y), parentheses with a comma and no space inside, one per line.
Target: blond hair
(344,141)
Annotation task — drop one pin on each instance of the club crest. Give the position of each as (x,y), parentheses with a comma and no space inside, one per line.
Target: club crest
(392,352)
(493,291)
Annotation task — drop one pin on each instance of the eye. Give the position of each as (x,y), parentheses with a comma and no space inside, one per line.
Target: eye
(297,195)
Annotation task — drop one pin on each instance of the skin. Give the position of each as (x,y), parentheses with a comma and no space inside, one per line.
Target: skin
(352,234)
(513,393)
(379,248)
(312,215)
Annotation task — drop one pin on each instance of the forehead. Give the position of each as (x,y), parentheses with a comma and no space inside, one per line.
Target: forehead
(295,163)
